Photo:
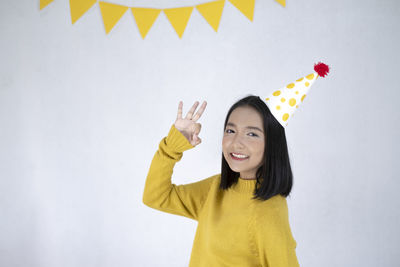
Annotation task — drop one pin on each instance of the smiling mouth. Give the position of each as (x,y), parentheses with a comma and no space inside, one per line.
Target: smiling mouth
(238,158)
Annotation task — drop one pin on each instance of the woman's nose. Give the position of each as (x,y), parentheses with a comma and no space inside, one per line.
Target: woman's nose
(238,142)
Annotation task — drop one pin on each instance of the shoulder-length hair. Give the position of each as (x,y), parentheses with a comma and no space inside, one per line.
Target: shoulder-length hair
(274,176)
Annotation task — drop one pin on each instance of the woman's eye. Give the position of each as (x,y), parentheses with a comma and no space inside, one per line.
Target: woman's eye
(253,134)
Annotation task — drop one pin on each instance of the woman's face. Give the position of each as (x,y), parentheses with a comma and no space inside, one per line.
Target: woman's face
(244,135)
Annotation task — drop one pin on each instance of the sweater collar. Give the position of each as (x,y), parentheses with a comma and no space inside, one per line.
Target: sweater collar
(244,186)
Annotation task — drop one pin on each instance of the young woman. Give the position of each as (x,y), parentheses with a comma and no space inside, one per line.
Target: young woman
(242,212)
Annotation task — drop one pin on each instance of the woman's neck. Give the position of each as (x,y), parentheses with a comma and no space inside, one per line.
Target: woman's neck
(247,178)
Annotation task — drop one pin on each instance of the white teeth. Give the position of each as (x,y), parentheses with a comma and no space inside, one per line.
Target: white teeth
(239,156)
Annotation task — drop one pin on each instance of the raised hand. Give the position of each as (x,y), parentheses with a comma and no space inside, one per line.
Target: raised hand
(188,126)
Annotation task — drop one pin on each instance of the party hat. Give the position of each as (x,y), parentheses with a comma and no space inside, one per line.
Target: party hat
(285,101)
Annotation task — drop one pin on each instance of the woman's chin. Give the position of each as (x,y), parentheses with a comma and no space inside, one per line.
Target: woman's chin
(234,169)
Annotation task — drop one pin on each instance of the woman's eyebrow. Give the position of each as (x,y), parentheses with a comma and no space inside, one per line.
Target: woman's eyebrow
(247,127)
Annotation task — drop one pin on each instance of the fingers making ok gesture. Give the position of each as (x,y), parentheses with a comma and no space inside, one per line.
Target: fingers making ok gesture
(188,126)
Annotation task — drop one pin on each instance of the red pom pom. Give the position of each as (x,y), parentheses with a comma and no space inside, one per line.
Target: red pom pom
(321,68)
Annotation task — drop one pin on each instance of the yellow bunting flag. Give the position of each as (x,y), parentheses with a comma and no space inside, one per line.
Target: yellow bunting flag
(111,14)
(44,3)
(179,17)
(282,2)
(79,7)
(212,12)
(145,18)
(245,6)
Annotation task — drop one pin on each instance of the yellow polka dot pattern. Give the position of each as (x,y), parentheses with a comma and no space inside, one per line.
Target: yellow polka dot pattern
(285,117)
(283,110)
(310,77)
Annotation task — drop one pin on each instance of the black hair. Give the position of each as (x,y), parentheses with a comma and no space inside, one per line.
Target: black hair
(274,176)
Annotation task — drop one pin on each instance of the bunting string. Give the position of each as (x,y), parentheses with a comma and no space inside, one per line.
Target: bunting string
(145,17)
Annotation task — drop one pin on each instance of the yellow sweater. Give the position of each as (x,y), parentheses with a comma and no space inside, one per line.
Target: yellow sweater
(233,229)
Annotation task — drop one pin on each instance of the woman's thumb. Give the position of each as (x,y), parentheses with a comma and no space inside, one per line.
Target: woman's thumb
(196,139)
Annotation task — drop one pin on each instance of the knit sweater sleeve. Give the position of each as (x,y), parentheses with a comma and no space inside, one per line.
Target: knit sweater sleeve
(160,194)
(275,243)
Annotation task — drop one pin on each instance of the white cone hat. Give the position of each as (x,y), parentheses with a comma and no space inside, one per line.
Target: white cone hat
(285,101)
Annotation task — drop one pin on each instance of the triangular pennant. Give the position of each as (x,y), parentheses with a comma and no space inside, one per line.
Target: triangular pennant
(245,6)
(282,2)
(145,18)
(111,14)
(44,3)
(179,17)
(79,7)
(212,12)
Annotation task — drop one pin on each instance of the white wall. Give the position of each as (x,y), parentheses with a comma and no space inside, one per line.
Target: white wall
(82,113)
